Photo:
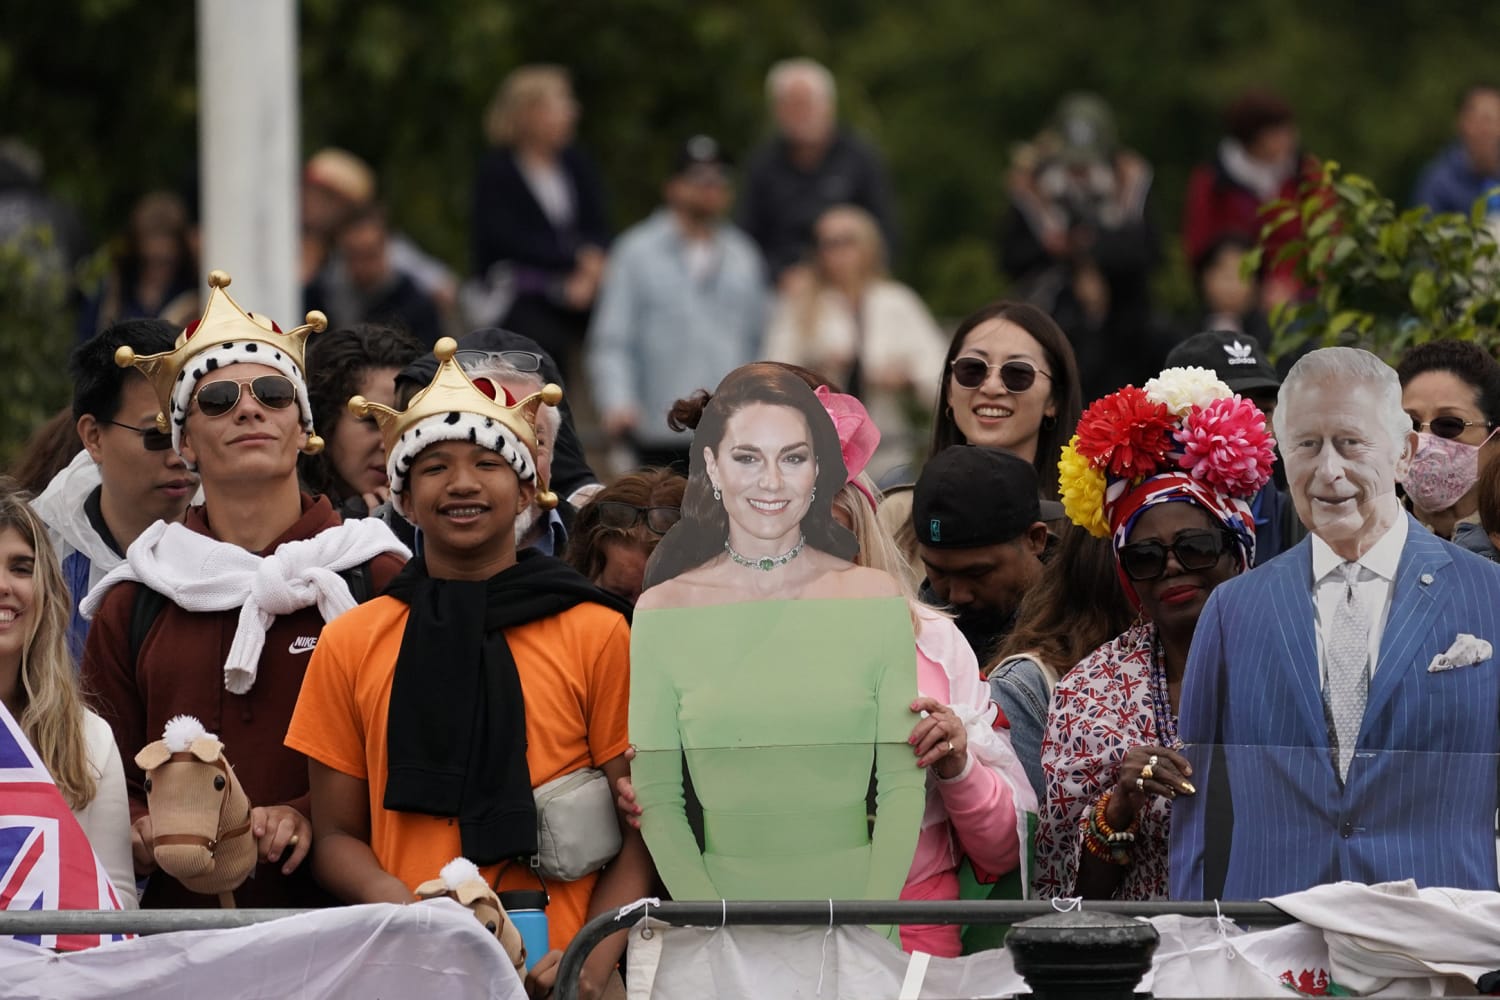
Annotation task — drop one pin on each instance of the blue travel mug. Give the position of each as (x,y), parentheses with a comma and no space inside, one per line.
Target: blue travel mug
(527,909)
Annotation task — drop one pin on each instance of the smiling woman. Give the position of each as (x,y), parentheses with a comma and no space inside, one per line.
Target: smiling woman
(772,669)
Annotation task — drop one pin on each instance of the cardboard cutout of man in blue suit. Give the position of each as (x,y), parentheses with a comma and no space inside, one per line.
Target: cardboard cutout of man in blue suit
(1415,794)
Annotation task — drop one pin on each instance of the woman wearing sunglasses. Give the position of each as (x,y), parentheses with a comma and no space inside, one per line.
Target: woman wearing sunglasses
(1451,391)
(616,532)
(1010,381)
(1165,472)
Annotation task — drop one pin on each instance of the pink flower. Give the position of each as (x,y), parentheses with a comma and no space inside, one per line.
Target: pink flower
(1225,445)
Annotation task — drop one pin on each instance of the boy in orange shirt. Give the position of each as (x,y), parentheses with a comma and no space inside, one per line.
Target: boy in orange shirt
(431,713)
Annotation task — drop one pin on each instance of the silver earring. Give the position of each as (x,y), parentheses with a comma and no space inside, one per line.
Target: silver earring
(717,495)
(814,494)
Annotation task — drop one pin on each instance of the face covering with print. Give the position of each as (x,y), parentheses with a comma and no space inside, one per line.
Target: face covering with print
(1441,472)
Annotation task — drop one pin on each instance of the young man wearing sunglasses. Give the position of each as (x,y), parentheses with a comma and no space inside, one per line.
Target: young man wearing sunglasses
(126,478)
(216,617)
(433,713)
(1351,683)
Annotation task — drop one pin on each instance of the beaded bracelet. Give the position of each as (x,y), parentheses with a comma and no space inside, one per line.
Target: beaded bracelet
(1106,843)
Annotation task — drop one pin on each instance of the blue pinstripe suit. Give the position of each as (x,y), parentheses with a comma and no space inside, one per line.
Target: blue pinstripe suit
(1421,792)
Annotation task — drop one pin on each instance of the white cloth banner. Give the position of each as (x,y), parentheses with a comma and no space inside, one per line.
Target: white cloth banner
(430,949)
(1389,940)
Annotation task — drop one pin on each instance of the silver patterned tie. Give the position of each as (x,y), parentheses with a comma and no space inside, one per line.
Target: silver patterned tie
(1348,684)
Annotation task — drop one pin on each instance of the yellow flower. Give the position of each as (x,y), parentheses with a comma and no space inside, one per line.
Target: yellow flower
(1082,488)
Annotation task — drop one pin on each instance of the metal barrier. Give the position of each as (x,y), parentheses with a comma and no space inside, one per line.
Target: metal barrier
(31,922)
(821,913)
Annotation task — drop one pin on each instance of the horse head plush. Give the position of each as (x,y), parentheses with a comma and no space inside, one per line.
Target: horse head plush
(200,816)
(461,881)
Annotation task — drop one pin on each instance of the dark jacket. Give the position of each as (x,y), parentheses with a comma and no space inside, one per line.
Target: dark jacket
(781,201)
(1450,184)
(510,226)
(400,303)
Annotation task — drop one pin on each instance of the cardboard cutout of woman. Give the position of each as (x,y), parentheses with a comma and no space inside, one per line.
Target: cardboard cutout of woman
(781,672)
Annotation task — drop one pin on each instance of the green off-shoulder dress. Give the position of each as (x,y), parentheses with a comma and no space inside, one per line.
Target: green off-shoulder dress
(783,708)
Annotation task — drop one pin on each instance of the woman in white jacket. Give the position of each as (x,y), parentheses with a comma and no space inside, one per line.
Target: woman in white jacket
(38,686)
(873,336)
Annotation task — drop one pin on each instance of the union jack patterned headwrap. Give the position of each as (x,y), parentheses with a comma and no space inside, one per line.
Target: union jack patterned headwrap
(1177,487)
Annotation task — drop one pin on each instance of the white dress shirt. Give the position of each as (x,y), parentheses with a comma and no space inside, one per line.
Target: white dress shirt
(1377,578)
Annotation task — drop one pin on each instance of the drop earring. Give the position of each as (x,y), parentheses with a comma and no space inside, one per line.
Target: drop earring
(717,495)
(814,494)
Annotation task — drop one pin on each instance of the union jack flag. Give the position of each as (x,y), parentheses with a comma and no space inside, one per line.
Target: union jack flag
(46,862)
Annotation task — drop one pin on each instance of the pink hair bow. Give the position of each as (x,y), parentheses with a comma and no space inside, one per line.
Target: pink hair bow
(858,435)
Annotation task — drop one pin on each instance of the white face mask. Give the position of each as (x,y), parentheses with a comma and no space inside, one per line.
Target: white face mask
(1441,471)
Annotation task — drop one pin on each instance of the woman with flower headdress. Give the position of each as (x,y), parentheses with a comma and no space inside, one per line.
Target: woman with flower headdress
(1165,472)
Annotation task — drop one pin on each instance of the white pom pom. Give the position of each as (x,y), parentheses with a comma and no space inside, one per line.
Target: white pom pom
(459,871)
(181,731)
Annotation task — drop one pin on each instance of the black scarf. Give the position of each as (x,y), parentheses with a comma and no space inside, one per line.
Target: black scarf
(456,730)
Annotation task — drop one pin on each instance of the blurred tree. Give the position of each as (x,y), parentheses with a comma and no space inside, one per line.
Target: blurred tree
(105,89)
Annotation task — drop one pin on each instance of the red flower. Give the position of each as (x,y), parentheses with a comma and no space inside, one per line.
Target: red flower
(1126,434)
(1225,446)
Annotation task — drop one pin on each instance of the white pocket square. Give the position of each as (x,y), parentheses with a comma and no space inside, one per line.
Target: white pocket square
(1466,651)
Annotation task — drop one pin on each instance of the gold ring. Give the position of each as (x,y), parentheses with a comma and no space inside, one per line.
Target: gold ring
(1153,761)
(1147,772)
(293,841)
(950,746)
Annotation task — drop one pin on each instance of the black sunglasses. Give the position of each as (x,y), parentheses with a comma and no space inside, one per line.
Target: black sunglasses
(151,438)
(1016,376)
(521,361)
(275,392)
(1195,550)
(1448,427)
(624,516)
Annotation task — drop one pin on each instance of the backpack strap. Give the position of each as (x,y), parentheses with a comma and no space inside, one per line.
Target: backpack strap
(360,580)
(146,608)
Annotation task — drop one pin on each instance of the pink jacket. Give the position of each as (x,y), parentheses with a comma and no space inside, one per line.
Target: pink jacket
(977,814)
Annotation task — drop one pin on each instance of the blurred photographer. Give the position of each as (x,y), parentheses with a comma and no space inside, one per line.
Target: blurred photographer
(1078,242)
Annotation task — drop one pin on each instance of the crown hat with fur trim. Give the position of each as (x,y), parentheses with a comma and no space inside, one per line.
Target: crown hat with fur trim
(225,334)
(453,407)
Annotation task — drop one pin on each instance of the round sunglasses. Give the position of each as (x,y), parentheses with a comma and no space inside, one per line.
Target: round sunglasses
(1195,550)
(1016,376)
(274,392)
(624,516)
(1448,427)
(151,438)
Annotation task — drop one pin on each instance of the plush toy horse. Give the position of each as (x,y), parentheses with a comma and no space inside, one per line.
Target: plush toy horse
(461,881)
(200,816)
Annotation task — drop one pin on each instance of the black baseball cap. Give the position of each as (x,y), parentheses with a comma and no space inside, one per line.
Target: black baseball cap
(702,151)
(968,497)
(1237,359)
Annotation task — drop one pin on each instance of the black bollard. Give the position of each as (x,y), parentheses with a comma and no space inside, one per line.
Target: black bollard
(1082,954)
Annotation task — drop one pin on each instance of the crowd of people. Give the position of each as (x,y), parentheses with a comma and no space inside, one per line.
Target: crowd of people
(1226,632)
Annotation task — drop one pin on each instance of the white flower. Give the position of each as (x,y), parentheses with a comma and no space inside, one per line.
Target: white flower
(1181,389)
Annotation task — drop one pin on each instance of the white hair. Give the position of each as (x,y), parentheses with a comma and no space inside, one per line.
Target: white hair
(1347,364)
(789,71)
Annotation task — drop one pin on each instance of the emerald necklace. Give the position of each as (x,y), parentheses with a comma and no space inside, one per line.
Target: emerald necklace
(767,563)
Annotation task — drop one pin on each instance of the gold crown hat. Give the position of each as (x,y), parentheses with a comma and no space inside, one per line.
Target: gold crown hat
(224,335)
(454,407)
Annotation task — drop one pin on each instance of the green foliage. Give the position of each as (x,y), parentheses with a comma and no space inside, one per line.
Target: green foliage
(37,338)
(106,90)
(1383,279)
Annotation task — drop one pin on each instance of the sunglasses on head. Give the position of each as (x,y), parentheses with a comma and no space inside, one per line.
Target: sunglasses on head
(151,438)
(1016,376)
(274,392)
(1447,427)
(521,361)
(624,516)
(1195,550)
